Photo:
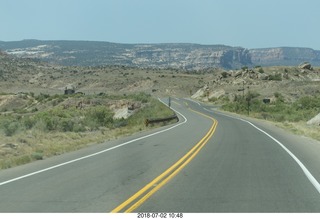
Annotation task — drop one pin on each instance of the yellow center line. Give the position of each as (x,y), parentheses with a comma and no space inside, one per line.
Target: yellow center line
(163,178)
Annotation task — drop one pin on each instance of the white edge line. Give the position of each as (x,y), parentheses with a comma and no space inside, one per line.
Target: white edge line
(193,101)
(97,153)
(311,178)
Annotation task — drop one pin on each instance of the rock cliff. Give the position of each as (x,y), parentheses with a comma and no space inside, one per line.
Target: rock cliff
(285,56)
(184,56)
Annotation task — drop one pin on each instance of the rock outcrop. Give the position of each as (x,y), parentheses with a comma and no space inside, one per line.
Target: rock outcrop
(305,65)
(315,120)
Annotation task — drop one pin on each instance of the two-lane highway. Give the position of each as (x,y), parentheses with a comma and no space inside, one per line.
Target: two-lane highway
(222,164)
(101,177)
(242,169)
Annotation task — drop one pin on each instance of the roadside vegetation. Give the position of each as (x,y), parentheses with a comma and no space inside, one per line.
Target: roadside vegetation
(277,110)
(37,127)
(292,116)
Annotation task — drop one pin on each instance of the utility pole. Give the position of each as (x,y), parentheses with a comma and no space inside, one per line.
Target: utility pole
(248,106)
(243,89)
(169,103)
(248,99)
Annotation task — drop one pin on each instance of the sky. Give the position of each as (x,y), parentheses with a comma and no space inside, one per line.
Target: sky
(244,23)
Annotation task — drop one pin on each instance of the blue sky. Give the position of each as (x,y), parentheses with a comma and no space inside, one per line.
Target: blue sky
(245,23)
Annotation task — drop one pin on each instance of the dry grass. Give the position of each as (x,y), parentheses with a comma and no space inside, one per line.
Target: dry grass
(301,128)
(30,145)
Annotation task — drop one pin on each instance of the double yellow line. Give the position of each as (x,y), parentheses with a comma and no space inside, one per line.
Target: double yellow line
(142,195)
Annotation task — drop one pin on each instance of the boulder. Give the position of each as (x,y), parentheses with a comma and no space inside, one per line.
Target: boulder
(200,93)
(315,120)
(217,94)
(237,74)
(305,65)
(263,76)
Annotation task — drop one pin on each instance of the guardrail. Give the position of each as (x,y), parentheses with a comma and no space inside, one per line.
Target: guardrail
(152,121)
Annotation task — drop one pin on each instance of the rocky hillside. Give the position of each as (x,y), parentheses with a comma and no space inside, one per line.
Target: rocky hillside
(27,75)
(291,82)
(183,56)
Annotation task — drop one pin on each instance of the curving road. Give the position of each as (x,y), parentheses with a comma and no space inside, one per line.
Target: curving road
(208,162)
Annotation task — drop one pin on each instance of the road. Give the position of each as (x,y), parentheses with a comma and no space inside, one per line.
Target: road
(208,162)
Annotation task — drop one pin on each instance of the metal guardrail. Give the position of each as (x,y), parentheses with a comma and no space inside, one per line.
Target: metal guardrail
(152,121)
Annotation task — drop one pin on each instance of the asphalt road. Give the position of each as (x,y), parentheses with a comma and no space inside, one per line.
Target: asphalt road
(235,166)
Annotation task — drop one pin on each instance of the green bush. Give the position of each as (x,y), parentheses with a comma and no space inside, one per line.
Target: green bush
(308,103)
(10,127)
(120,123)
(71,119)
(302,110)
(224,74)
(66,125)
(50,122)
(29,122)
(261,70)
(213,99)
(143,97)
(275,77)
(41,97)
(98,117)
(46,121)
(22,160)
(37,156)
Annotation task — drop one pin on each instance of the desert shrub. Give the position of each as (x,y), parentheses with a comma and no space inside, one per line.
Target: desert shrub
(265,116)
(213,99)
(251,95)
(10,127)
(275,77)
(22,160)
(261,70)
(58,99)
(153,110)
(66,125)
(98,117)
(59,119)
(37,156)
(279,96)
(142,97)
(118,123)
(20,111)
(302,110)
(240,104)
(42,97)
(46,121)
(29,122)
(308,103)
(224,74)
(50,123)
(279,117)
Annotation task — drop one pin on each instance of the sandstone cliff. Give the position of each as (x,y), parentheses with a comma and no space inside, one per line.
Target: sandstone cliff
(286,56)
(184,56)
